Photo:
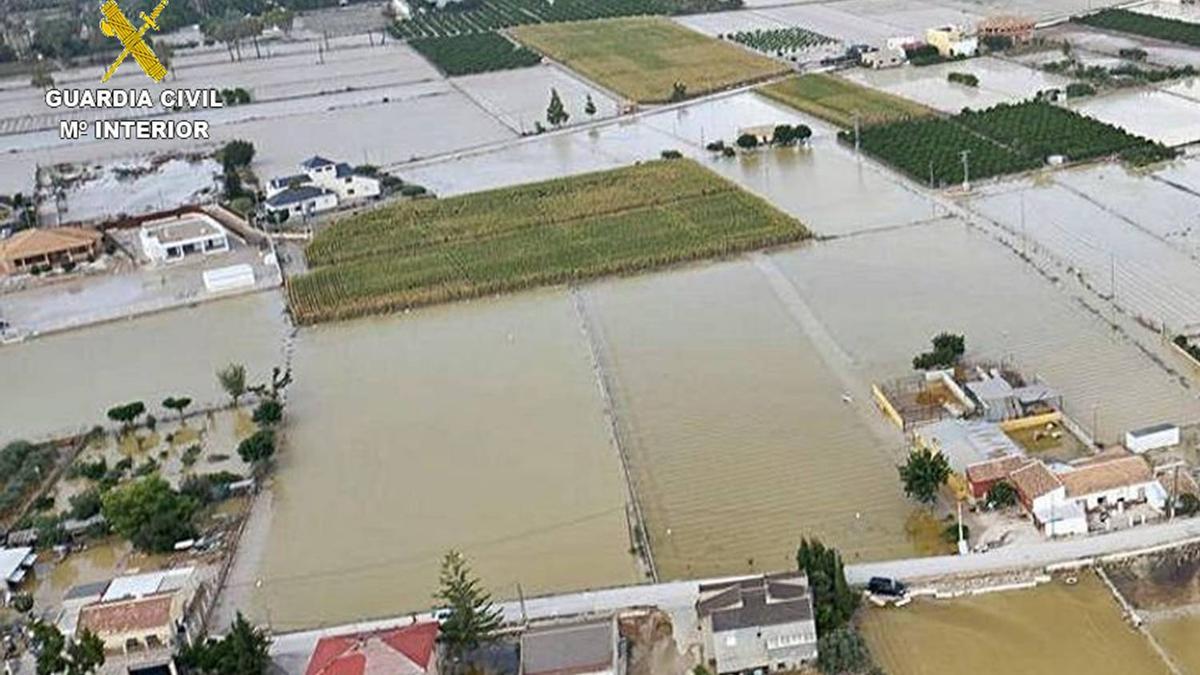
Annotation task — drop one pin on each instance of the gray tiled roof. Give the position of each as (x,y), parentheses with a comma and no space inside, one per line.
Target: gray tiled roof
(315,162)
(295,195)
(757,601)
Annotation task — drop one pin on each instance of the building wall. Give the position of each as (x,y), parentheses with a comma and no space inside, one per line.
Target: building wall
(748,648)
(1127,493)
(1161,439)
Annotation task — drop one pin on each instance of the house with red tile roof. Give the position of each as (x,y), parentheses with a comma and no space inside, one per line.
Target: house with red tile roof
(407,650)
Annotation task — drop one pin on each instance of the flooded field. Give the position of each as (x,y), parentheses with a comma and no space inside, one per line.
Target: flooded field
(1048,630)
(1162,116)
(475,426)
(1129,236)
(999,82)
(68,380)
(824,185)
(882,296)
(1178,637)
(518,97)
(740,441)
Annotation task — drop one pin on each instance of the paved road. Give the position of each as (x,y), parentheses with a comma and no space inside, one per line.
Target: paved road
(290,651)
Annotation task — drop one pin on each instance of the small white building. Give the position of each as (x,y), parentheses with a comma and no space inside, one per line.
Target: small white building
(14,564)
(888,57)
(1152,438)
(177,237)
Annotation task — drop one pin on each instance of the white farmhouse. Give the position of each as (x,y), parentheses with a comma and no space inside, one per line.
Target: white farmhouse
(321,185)
(177,237)
(304,200)
(337,177)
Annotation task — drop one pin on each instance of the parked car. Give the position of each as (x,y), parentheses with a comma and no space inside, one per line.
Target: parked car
(885,586)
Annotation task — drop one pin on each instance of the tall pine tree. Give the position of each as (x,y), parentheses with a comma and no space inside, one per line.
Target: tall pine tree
(473,619)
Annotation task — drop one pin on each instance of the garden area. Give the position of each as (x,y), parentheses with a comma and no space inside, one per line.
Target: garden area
(1146,25)
(474,53)
(563,230)
(781,42)
(154,478)
(650,60)
(475,16)
(1001,140)
(836,100)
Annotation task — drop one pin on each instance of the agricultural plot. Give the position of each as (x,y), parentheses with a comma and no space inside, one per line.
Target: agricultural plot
(781,42)
(429,21)
(619,221)
(836,100)
(474,53)
(1001,140)
(645,58)
(1125,21)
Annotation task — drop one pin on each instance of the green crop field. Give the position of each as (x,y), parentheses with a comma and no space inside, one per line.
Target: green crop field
(836,100)
(563,230)
(1125,21)
(475,53)
(478,16)
(1007,138)
(643,58)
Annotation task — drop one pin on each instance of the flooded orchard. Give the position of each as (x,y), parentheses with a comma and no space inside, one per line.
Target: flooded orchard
(1053,628)
(476,426)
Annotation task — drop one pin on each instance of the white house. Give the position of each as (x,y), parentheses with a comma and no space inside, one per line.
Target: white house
(336,177)
(177,237)
(1113,482)
(1152,438)
(762,623)
(304,200)
(1060,500)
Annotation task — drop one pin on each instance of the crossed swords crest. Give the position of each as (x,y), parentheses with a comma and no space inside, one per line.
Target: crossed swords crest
(115,24)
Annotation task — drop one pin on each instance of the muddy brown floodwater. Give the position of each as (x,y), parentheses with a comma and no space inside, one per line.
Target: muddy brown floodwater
(1054,629)
(740,441)
(475,426)
(68,380)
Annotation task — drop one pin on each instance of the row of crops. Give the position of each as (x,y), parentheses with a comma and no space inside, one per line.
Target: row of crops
(781,42)
(1125,21)
(1007,138)
(479,16)
(477,53)
(558,231)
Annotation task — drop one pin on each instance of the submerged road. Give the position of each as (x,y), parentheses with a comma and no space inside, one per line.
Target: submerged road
(290,651)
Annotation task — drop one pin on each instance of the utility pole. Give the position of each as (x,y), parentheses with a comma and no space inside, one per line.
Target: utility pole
(521,598)
(966,162)
(857,128)
(1096,424)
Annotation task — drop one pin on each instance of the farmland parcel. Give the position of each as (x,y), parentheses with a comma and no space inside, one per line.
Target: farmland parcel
(474,53)
(643,58)
(1000,140)
(630,219)
(467,18)
(1125,21)
(836,100)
